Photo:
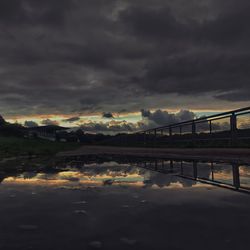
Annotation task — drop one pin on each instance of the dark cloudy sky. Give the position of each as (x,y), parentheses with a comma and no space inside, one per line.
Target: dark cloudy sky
(88,57)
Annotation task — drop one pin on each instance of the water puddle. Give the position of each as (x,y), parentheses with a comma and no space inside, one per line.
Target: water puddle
(111,203)
(150,173)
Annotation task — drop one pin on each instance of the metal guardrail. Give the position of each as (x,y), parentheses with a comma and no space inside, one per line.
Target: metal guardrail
(202,129)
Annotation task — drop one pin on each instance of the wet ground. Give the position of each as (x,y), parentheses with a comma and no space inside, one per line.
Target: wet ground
(145,204)
(156,152)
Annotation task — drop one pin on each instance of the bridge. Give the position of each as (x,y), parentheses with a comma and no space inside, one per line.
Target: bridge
(230,128)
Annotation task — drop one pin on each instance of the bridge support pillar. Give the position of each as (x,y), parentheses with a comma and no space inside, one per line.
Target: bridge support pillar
(155,137)
(144,138)
(156,165)
(193,133)
(210,127)
(171,166)
(233,128)
(195,170)
(170,131)
(236,176)
(193,128)
(181,167)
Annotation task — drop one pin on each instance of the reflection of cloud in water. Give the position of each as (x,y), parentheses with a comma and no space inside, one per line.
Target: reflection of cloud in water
(179,185)
(97,175)
(112,164)
(245,176)
(125,174)
(77,177)
(162,180)
(244,171)
(171,185)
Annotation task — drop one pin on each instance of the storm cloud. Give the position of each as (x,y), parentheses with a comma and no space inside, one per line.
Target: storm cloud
(30,124)
(149,119)
(49,122)
(71,56)
(109,127)
(72,119)
(161,118)
(107,115)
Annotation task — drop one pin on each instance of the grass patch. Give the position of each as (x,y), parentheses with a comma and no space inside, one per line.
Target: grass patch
(16,146)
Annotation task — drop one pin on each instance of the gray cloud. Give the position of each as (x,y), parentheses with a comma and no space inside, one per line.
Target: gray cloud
(49,122)
(109,127)
(108,115)
(72,119)
(149,120)
(29,12)
(86,56)
(30,124)
(235,96)
(161,117)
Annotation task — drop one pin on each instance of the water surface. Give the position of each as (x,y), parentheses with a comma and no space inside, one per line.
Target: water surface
(129,204)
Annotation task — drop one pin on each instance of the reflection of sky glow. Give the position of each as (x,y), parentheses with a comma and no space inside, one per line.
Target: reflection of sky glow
(84,119)
(112,173)
(244,176)
(132,117)
(76,178)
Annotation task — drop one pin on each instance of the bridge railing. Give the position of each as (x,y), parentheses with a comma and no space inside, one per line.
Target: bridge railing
(231,126)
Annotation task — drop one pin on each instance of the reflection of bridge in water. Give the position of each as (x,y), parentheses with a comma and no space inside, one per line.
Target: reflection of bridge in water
(226,175)
(187,173)
(231,175)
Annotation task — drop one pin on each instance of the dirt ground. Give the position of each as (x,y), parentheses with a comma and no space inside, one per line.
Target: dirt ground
(204,153)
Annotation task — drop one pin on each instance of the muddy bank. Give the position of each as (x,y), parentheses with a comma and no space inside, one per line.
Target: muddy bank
(236,154)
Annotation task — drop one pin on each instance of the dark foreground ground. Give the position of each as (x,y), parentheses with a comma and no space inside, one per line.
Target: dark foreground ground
(40,215)
(242,154)
(15,147)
